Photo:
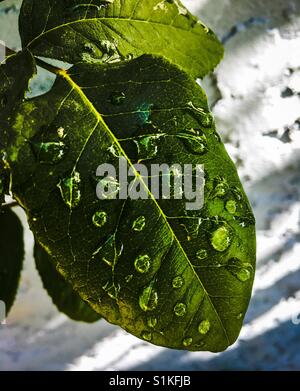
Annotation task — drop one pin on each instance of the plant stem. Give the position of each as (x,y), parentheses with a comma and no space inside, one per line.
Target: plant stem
(40,63)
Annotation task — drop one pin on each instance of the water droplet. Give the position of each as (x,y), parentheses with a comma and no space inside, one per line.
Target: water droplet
(142,263)
(108,188)
(144,112)
(111,290)
(70,190)
(180,309)
(221,187)
(177,282)
(147,147)
(148,299)
(61,133)
(221,238)
(204,327)
(243,275)
(146,335)
(128,278)
(99,218)
(117,98)
(50,152)
(242,271)
(151,322)
(139,223)
(231,206)
(239,316)
(195,143)
(201,254)
(107,252)
(206,118)
(187,342)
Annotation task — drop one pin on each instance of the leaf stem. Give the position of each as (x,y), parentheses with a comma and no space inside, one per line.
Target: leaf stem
(39,62)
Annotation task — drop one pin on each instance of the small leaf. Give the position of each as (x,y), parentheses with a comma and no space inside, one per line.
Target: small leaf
(61,292)
(15,74)
(11,256)
(108,31)
(171,276)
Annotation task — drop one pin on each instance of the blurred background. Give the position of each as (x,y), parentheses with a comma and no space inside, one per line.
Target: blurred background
(255,97)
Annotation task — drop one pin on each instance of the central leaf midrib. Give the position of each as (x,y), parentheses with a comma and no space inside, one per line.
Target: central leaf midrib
(85,99)
(102,19)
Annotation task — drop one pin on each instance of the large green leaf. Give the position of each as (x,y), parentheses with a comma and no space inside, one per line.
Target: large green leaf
(177,278)
(61,292)
(11,256)
(97,30)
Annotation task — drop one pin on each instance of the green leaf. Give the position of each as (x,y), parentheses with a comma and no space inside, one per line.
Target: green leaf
(15,74)
(11,256)
(171,276)
(107,31)
(63,295)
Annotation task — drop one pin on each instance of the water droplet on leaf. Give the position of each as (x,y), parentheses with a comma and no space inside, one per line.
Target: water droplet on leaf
(177,282)
(221,238)
(201,254)
(187,342)
(107,252)
(180,309)
(142,263)
(204,327)
(231,206)
(148,299)
(61,133)
(111,188)
(205,118)
(147,147)
(146,335)
(139,223)
(195,143)
(99,219)
(70,190)
(49,152)
(242,271)
(221,187)
(151,322)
